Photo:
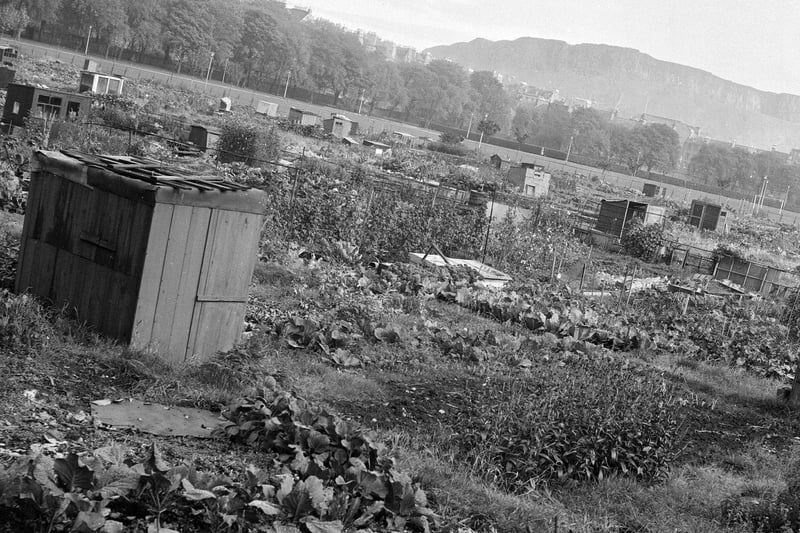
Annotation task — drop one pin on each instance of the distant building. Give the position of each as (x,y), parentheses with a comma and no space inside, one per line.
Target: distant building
(303,118)
(405,54)
(99,83)
(27,101)
(299,13)
(529,179)
(388,49)
(685,131)
(794,157)
(380,148)
(706,216)
(499,163)
(616,215)
(339,126)
(266,108)
(203,138)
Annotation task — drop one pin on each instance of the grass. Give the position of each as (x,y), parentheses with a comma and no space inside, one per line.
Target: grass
(689,499)
(716,381)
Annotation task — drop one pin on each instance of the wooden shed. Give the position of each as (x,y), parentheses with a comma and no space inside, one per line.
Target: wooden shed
(529,179)
(651,189)
(155,257)
(28,101)
(268,109)
(203,138)
(302,117)
(338,125)
(99,83)
(706,216)
(615,215)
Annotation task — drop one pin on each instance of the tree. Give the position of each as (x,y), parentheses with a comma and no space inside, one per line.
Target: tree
(383,84)
(553,126)
(42,12)
(187,27)
(713,164)
(253,47)
(523,123)
(144,19)
(14,19)
(626,148)
(487,97)
(488,127)
(590,131)
(660,146)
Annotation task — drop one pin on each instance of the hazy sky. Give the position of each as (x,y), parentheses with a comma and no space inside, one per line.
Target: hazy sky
(754,43)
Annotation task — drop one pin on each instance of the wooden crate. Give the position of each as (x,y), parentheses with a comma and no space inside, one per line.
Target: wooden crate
(154,257)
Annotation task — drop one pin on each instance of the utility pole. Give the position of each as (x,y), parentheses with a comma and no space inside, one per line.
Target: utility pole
(469,127)
(569,150)
(480,141)
(225,70)
(286,89)
(361,102)
(783,203)
(88,36)
(208,72)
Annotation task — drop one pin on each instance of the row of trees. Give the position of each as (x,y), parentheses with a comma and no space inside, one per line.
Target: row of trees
(262,45)
(735,168)
(592,134)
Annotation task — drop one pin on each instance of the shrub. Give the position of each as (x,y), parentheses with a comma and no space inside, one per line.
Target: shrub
(245,140)
(450,138)
(12,196)
(451,149)
(642,241)
(23,324)
(588,420)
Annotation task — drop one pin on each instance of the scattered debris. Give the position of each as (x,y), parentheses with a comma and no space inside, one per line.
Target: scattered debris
(157,419)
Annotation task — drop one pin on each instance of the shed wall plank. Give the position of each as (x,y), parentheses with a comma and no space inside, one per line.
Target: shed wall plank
(170,280)
(151,276)
(188,285)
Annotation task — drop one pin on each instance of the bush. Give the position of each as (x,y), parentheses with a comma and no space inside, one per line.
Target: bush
(585,421)
(245,140)
(23,324)
(451,149)
(450,138)
(642,241)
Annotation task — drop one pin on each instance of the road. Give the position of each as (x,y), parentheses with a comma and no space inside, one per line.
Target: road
(370,125)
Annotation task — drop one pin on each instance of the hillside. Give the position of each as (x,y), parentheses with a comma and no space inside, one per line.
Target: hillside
(610,74)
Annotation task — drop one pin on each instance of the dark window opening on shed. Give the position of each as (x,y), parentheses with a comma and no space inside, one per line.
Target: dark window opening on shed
(49,105)
(73,109)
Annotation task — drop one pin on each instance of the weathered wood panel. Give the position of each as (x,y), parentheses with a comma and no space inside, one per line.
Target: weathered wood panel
(228,262)
(151,276)
(187,287)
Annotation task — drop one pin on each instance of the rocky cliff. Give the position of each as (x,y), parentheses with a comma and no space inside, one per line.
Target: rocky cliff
(636,82)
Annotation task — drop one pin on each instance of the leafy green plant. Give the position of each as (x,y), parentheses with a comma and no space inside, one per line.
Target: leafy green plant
(642,240)
(336,472)
(248,141)
(331,477)
(586,419)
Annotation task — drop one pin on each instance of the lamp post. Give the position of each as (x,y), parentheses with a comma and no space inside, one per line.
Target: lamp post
(569,150)
(225,70)
(480,141)
(88,36)
(208,72)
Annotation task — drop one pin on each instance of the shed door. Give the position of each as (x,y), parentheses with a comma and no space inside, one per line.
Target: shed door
(227,269)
